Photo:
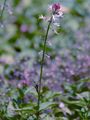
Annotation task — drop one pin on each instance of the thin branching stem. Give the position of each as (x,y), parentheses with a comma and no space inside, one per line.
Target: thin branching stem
(1,15)
(41,70)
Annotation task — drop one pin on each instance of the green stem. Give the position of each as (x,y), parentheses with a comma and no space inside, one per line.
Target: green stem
(41,70)
(3,9)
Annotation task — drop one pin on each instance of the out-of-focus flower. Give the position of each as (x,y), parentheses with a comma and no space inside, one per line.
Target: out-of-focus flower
(61,105)
(24,28)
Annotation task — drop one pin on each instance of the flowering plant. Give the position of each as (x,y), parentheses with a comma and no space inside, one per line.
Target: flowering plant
(56,91)
(55,10)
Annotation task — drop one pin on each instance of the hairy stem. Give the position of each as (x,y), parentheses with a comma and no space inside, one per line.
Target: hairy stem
(41,70)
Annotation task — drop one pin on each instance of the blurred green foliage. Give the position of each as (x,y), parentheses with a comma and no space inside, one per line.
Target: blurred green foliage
(25,16)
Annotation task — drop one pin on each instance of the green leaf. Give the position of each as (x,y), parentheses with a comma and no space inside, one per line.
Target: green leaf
(73,102)
(85,94)
(51,95)
(31,90)
(10,110)
(46,105)
(30,109)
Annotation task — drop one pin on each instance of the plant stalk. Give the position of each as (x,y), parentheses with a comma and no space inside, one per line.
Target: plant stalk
(3,10)
(41,70)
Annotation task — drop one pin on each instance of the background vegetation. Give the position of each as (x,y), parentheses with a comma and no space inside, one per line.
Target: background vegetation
(66,87)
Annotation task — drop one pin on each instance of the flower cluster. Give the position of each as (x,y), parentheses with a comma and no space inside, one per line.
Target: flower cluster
(55,13)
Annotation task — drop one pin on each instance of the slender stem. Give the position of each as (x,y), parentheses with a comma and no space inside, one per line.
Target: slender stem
(41,69)
(3,9)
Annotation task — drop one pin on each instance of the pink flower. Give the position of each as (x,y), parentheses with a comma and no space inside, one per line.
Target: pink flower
(54,12)
(56,7)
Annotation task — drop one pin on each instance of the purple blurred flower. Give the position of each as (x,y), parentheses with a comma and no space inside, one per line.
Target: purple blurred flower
(24,28)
